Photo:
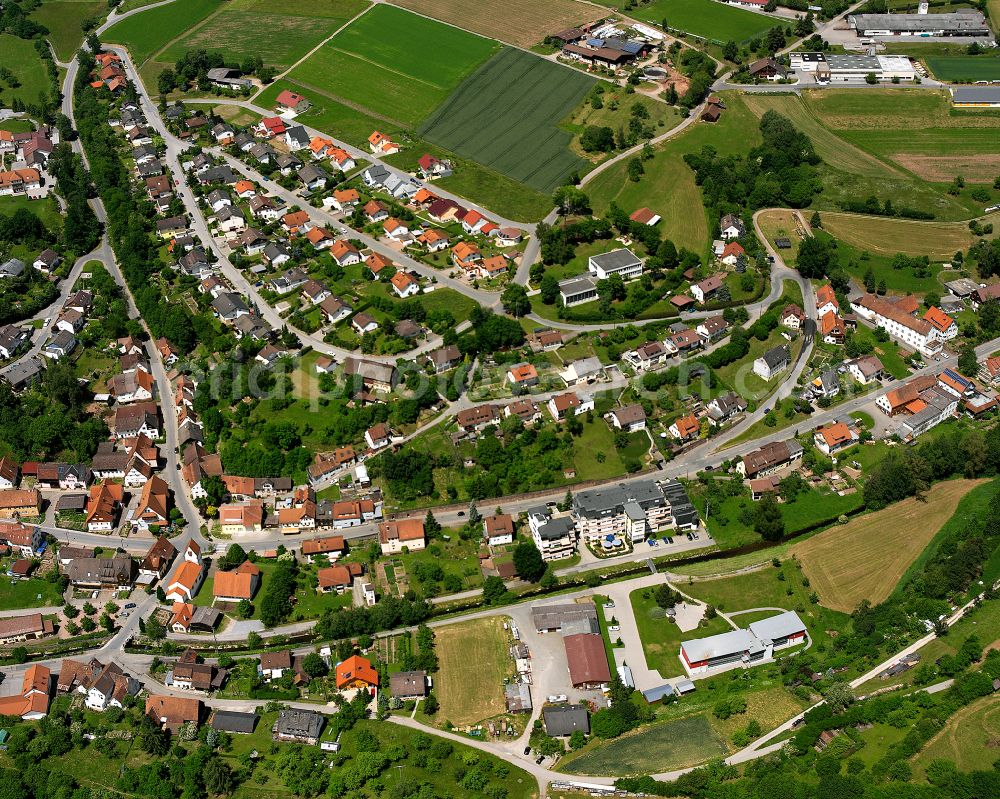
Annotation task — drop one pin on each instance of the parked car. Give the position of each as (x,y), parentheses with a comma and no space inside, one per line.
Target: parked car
(614,628)
(527,750)
(557,698)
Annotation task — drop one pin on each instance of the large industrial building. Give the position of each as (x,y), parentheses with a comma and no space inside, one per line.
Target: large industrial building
(975,96)
(958,23)
(853,68)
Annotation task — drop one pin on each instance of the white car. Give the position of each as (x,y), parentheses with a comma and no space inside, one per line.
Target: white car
(609,605)
(558,698)
(614,628)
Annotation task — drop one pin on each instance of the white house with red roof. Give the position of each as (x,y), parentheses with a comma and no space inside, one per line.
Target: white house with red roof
(404,285)
(380,144)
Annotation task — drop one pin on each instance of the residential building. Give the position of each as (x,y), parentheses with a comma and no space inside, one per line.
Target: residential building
(356,672)
(630,418)
(407,685)
(772,362)
(555,537)
(298,726)
(498,529)
(395,535)
(769,459)
(234,586)
(835,437)
(918,334)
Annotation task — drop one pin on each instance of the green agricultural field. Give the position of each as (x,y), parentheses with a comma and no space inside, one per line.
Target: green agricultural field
(659,747)
(505,115)
(147,33)
(668,185)
(888,236)
(283,33)
(63,18)
(919,131)
(706,18)
(380,62)
(21,58)
(964,69)
(870,146)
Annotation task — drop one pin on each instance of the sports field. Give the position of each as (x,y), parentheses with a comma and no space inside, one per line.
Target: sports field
(660,747)
(505,115)
(394,63)
(887,236)
(706,18)
(668,185)
(964,68)
(474,663)
(865,558)
(282,34)
(63,18)
(146,33)
(21,58)
(524,22)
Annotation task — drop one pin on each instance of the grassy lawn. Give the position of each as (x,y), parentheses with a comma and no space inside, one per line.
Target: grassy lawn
(769,587)
(32,593)
(728,524)
(918,131)
(968,738)
(379,62)
(17,126)
(284,32)
(865,558)
(657,747)
(661,638)
(740,375)
(593,456)
(484,186)
(46,210)
(668,185)
(147,33)
(886,236)
(615,112)
(475,661)
(21,58)
(331,116)
(781,223)
(63,18)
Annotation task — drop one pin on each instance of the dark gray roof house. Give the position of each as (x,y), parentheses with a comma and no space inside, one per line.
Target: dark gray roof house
(233,721)
(562,720)
(297,136)
(303,726)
